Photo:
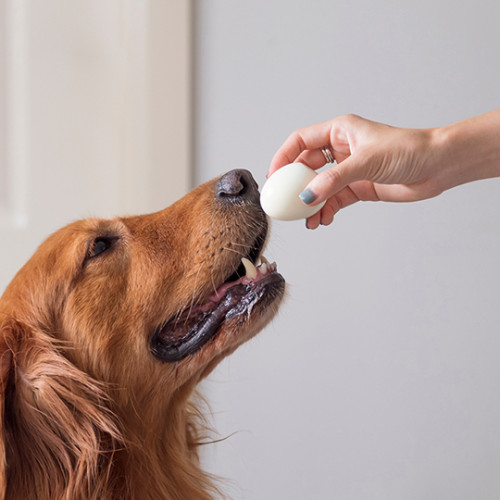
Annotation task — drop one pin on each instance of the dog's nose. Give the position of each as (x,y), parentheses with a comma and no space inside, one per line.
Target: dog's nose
(237,185)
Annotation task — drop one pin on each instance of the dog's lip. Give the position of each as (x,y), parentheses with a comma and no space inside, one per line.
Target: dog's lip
(252,273)
(186,333)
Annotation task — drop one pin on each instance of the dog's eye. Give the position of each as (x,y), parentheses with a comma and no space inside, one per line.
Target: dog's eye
(100,245)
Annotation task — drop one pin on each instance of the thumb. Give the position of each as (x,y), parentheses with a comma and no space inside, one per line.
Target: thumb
(331,181)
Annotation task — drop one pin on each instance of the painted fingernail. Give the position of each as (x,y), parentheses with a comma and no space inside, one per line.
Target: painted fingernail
(307,196)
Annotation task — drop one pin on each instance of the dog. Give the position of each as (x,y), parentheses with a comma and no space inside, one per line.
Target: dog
(106,332)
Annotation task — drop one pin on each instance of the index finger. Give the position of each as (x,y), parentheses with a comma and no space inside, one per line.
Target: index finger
(312,137)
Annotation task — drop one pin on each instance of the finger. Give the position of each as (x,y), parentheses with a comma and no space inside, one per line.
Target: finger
(341,200)
(327,214)
(312,137)
(364,190)
(329,182)
(313,158)
(313,221)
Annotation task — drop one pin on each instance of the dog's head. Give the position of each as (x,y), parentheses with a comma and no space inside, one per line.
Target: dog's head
(147,304)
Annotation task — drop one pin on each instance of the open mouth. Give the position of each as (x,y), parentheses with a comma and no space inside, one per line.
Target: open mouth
(255,284)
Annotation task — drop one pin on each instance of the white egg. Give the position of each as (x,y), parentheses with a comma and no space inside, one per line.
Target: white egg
(280,194)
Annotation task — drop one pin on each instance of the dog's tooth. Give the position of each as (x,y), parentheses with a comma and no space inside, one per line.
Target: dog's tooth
(264,260)
(263,268)
(273,266)
(250,269)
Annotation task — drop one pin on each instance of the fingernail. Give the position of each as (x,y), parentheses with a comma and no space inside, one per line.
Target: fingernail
(307,196)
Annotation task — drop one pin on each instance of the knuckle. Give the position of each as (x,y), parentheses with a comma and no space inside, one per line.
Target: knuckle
(296,138)
(299,139)
(351,117)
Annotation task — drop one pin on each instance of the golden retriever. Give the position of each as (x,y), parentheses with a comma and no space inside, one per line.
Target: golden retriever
(106,332)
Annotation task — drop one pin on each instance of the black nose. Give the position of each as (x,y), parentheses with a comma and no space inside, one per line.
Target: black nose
(237,186)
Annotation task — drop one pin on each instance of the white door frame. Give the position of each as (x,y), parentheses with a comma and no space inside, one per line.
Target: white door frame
(99,95)
(14,74)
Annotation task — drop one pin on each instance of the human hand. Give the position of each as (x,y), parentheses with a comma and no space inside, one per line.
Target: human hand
(375,162)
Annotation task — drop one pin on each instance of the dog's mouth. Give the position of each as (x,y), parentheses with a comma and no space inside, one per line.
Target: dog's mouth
(252,287)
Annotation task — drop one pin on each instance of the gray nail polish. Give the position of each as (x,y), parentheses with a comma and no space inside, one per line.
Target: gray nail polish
(307,196)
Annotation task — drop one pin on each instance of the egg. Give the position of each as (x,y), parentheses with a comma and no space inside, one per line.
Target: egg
(279,196)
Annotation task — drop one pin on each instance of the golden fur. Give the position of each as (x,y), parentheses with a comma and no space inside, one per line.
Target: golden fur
(87,412)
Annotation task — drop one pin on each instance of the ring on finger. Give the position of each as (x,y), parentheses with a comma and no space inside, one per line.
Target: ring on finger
(327,153)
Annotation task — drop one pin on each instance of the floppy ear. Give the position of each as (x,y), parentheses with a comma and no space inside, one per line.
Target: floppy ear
(58,431)
(5,370)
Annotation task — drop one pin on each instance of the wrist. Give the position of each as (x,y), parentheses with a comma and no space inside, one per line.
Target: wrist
(468,150)
(445,163)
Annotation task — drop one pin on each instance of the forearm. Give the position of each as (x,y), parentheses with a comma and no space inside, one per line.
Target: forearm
(468,150)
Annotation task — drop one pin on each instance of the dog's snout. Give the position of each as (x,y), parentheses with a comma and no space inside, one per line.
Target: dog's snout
(237,185)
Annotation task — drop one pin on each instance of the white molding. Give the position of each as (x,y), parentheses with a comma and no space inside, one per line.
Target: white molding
(153,159)
(3,124)
(97,110)
(156,130)
(171,97)
(16,112)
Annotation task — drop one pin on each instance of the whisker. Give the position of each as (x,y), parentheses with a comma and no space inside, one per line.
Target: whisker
(177,316)
(213,282)
(193,300)
(241,245)
(234,251)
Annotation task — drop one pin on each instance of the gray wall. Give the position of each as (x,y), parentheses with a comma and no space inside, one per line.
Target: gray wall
(379,378)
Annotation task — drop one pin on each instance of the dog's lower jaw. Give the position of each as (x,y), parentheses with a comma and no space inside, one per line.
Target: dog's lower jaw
(259,323)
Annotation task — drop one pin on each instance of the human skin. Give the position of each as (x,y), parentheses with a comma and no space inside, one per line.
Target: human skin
(378,162)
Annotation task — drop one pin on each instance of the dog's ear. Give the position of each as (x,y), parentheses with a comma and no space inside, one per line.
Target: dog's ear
(6,361)
(58,430)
